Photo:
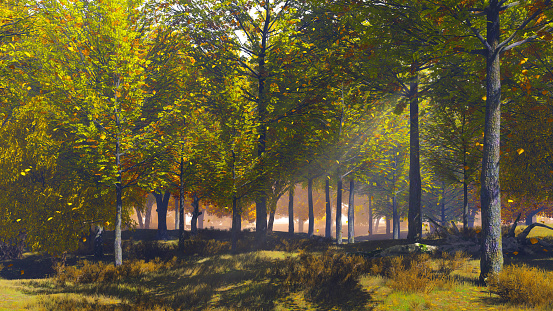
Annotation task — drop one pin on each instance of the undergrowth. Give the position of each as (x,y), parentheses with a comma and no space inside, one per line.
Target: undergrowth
(523,285)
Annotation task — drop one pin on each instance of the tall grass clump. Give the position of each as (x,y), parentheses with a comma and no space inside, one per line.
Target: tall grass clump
(523,285)
(89,272)
(326,277)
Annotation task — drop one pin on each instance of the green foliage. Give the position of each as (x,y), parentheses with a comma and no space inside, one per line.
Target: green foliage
(523,285)
(325,277)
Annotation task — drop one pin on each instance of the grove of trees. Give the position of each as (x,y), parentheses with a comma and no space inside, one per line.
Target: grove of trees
(419,106)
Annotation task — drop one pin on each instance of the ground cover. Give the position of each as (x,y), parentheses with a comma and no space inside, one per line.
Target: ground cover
(210,278)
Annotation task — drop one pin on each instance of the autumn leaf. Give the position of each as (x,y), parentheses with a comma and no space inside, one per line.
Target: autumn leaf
(520,151)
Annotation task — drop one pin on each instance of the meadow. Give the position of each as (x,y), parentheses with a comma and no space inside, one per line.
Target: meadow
(285,274)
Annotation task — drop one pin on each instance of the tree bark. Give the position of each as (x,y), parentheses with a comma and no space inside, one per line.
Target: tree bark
(492,252)
(328,227)
(339,210)
(370,217)
(182,236)
(162,201)
(414,215)
(139,218)
(300,225)
(395,218)
(351,213)
(195,213)
(311,227)
(118,251)
(377,224)
(465,193)
(99,242)
(148,217)
(291,210)
(176,214)
(388,225)
(235,225)
(443,220)
(271,221)
(201,217)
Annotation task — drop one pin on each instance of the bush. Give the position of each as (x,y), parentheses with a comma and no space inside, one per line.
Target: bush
(88,272)
(523,285)
(326,277)
(12,249)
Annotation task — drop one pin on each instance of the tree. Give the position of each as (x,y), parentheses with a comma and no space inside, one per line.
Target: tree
(95,66)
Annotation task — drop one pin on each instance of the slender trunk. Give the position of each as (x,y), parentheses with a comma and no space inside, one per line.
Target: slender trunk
(271,221)
(492,252)
(291,210)
(465,207)
(300,225)
(99,242)
(176,214)
(388,225)
(139,218)
(377,224)
(201,216)
(328,227)
(310,203)
(414,215)
(182,236)
(351,213)
(195,213)
(235,224)
(118,251)
(395,218)
(442,204)
(162,201)
(149,204)
(339,210)
(370,217)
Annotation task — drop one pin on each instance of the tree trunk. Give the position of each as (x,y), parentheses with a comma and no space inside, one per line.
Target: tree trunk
(149,204)
(182,236)
(492,251)
(388,225)
(465,193)
(370,217)
(414,214)
(139,218)
(351,213)
(201,217)
(271,221)
(377,224)
(339,210)
(291,210)
(99,242)
(195,213)
(310,203)
(235,225)
(300,225)
(118,251)
(395,218)
(443,220)
(162,201)
(176,214)
(328,227)
(530,216)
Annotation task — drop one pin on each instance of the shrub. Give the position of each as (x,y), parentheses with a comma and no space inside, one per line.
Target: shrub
(324,277)
(523,285)
(88,272)
(12,249)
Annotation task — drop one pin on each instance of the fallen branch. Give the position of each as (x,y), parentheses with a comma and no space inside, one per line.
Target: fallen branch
(521,237)
(513,227)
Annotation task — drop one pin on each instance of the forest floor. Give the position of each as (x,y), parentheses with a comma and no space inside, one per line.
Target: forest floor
(209,278)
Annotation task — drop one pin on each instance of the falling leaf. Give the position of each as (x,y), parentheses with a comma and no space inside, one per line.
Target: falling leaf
(533,240)
(520,150)
(18,220)
(477,231)
(515,253)
(544,92)
(69,203)
(22,272)
(84,239)
(23,173)
(510,201)
(317,230)
(50,218)
(484,98)
(10,265)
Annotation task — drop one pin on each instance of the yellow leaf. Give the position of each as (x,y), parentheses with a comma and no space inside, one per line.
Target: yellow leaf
(50,218)
(23,173)
(18,220)
(71,49)
(533,240)
(27,54)
(84,239)
(69,203)
(519,151)
(29,88)
(22,272)
(544,92)
(515,253)
(524,60)
(510,201)
(103,136)
(525,71)
(484,97)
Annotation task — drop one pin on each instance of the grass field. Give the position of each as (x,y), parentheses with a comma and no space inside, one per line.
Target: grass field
(251,280)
